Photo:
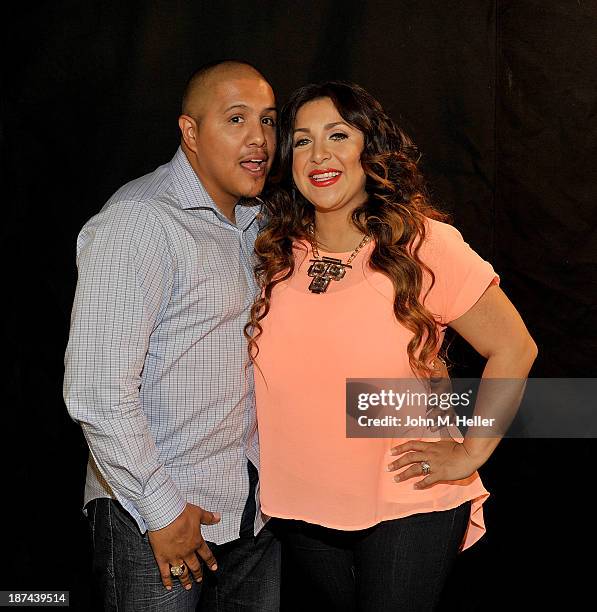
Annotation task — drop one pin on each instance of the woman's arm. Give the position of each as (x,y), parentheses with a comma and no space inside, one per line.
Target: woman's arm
(496,331)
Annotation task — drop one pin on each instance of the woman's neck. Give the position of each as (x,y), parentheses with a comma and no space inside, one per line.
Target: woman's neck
(336,233)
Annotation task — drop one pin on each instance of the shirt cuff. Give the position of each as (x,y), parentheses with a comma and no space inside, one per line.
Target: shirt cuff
(162,506)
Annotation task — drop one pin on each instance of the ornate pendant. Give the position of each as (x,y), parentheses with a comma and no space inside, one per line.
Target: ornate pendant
(323,271)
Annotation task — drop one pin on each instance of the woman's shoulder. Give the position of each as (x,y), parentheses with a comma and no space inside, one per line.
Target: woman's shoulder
(300,248)
(300,244)
(439,230)
(439,238)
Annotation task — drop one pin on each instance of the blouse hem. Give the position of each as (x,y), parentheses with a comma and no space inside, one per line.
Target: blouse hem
(474,532)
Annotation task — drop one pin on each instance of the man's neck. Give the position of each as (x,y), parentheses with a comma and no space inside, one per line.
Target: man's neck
(227,211)
(225,205)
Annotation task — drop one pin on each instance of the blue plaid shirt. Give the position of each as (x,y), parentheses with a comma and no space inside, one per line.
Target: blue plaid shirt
(155,364)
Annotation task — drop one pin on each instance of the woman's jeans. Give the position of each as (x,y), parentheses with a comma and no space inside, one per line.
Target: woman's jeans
(400,564)
(127,579)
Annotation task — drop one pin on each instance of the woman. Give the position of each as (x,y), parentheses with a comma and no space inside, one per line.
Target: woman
(375,524)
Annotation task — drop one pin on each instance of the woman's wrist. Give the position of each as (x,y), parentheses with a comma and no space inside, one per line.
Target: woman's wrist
(479,449)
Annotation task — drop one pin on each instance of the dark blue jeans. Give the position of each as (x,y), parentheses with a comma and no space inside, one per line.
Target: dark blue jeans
(127,579)
(399,565)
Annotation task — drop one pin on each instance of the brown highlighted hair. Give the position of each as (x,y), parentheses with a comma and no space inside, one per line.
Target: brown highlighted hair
(393,215)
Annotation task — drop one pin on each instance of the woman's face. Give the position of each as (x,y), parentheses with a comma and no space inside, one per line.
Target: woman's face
(326,161)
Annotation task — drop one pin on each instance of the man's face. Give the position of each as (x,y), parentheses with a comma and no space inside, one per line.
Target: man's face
(236,138)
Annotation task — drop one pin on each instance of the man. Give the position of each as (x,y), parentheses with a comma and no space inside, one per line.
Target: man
(155,365)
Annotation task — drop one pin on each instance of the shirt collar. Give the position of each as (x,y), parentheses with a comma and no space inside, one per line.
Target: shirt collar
(193,195)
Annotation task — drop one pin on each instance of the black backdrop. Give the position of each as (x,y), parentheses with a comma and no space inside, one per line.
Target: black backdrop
(499,95)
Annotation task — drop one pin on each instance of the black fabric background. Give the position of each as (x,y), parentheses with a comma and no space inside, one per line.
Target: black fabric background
(499,95)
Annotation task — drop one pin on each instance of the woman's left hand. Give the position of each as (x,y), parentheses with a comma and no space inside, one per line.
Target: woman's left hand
(447,459)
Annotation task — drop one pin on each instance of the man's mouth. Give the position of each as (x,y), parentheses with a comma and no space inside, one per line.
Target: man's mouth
(324,178)
(256,165)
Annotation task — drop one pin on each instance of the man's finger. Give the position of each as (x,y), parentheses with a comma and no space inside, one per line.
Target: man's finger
(195,567)
(205,553)
(185,577)
(165,574)
(209,518)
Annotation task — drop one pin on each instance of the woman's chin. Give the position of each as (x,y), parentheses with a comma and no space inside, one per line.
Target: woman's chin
(324,206)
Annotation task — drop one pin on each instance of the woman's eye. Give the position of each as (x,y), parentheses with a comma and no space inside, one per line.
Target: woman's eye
(236,119)
(301,142)
(338,136)
(269,121)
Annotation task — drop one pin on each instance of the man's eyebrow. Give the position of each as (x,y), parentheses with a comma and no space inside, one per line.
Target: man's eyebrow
(327,126)
(245,106)
(236,106)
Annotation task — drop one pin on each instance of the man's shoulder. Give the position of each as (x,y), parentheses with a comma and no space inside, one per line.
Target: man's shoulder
(151,188)
(136,210)
(150,195)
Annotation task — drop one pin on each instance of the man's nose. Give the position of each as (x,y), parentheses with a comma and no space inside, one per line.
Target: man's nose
(257,136)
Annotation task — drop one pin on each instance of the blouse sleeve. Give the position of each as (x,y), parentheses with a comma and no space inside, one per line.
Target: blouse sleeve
(461,275)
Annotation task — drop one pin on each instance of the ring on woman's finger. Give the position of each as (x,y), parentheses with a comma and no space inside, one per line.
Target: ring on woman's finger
(425,467)
(177,570)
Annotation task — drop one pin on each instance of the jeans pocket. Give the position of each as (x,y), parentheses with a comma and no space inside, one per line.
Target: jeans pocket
(91,515)
(121,519)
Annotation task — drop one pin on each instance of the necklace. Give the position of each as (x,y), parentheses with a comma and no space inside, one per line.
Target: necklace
(324,269)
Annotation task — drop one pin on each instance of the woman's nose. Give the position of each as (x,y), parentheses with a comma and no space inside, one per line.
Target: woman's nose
(319,153)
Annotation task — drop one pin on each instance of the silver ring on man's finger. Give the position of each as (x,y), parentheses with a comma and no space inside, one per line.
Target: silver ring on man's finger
(177,570)
(425,467)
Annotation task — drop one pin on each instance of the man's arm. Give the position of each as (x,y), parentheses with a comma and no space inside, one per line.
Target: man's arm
(126,271)
(125,279)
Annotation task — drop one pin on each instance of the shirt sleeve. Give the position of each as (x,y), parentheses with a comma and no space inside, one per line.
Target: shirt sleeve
(125,281)
(461,274)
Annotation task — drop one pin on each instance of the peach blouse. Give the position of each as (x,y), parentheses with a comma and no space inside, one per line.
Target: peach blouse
(311,343)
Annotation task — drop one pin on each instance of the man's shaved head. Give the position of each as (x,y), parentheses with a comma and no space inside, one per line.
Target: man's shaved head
(205,78)
(228,130)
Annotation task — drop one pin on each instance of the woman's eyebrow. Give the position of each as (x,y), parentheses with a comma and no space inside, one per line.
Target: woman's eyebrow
(327,126)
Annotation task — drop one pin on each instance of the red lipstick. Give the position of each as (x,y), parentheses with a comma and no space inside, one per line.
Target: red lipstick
(324,177)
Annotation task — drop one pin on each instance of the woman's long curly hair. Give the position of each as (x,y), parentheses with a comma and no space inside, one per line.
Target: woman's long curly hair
(393,215)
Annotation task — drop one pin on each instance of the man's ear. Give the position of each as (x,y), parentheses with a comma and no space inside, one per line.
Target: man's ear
(189,131)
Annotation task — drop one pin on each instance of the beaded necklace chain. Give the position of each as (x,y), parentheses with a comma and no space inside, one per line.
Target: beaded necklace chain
(325,269)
